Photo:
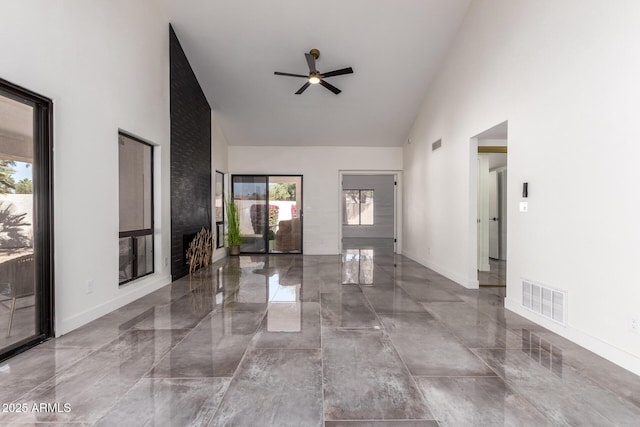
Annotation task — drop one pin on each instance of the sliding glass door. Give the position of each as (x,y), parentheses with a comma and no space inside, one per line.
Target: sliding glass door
(285,214)
(25,219)
(250,194)
(270,212)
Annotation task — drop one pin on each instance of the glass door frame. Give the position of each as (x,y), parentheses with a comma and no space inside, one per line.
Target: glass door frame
(42,215)
(266,235)
(219,181)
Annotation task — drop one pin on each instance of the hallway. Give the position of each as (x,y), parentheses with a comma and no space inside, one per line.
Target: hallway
(279,340)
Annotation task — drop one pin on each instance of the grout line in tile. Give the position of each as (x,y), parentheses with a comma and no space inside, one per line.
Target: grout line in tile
(404,365)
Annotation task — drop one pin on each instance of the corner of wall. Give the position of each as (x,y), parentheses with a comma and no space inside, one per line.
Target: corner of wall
(145,286)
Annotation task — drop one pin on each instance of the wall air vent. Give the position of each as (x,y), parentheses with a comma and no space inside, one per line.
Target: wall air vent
(548,302)
(436,145)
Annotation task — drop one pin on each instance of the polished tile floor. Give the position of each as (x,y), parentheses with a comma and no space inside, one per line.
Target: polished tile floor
(363,339)
(497,276)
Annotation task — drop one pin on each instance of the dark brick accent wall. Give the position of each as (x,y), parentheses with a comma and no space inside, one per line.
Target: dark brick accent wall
(190,155)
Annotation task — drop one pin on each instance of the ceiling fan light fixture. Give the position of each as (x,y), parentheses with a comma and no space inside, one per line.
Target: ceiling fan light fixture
(315,77)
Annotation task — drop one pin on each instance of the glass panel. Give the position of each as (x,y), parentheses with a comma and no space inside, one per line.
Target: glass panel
(250,193)
(126,257)
(358,207)
(145,255)
(18,314)
(285,206)
(136,211)
(366,207)
(351,214)
(219,200)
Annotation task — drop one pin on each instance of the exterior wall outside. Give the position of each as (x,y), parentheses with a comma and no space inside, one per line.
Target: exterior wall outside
(20,206)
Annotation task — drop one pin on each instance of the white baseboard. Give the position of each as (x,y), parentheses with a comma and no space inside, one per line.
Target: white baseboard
(463,281)
(126,295)
(610,352)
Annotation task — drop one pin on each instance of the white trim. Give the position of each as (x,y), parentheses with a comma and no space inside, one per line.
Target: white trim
(608,351)
(473,209)
(129,293)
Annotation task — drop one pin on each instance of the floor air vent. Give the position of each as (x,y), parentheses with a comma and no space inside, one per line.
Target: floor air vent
(548,302)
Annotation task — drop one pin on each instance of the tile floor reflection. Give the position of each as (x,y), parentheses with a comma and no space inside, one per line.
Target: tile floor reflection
(285,340)
(497,276)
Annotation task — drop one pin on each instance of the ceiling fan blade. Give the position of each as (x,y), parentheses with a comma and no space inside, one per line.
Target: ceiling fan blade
(278,73)
(331,87)
(339,72)
(312,63)
(303,88)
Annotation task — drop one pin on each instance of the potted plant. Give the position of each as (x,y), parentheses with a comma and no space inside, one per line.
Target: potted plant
(234,239)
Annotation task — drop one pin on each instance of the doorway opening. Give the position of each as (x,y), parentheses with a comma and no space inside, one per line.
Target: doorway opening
(368,205)
(492,206)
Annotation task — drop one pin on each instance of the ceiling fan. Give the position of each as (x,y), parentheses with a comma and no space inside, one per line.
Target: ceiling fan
(316,76)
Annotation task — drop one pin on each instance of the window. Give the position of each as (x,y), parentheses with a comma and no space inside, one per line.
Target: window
(219,205)
(136,208)
(358,207)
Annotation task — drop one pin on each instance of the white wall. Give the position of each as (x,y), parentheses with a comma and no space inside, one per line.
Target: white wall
(105,64)
(320,167)
(565,76)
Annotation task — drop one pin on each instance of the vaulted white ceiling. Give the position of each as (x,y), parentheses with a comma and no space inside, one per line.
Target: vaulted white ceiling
(394,46)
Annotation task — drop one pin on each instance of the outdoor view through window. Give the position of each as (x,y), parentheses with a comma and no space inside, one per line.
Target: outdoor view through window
(358,207)
(17,265)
